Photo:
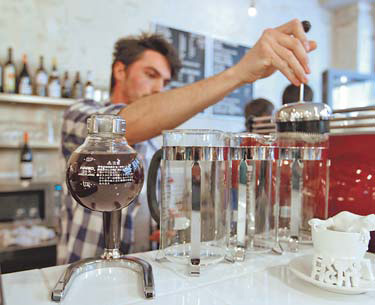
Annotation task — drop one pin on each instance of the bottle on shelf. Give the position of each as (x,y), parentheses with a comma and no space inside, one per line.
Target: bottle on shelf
(66,90)
(41,79)
(77,87)
(24,84)
(89,87)
(9,74)
(26,168)
(54,87)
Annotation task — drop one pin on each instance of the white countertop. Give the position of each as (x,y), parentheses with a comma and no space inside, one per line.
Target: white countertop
(261,279)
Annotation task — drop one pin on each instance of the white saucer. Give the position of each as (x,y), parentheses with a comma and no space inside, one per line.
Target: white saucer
(301,266)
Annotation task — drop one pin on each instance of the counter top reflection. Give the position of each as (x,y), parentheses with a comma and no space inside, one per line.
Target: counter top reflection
(261,279)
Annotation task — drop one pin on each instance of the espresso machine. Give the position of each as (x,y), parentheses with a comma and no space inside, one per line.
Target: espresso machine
(105,175)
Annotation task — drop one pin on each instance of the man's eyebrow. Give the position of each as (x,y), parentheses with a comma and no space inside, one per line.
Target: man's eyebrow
(153,70)
(166,81)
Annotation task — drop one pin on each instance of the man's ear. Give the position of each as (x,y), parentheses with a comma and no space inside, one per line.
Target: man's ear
(119,71)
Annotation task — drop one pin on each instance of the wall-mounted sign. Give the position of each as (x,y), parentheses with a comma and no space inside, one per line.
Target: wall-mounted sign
(203,56)
(191,50)
(225,56)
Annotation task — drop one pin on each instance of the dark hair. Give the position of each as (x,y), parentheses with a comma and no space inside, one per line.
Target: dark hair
(130,49)
(259,107)
(291,94)
(256,108)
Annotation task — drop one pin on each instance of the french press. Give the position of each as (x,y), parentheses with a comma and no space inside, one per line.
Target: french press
(194,210)
(253,221)
(105,175)
(302,132)
(302,136)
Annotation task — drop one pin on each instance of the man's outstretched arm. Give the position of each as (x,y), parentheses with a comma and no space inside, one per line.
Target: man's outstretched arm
(284,48)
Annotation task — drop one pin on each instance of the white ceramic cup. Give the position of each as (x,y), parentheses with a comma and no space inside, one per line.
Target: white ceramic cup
(340,245)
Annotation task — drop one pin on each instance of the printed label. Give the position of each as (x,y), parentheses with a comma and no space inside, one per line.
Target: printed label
(41,79)
(112,172)
(89,92)
(54,89)
(9,79)
(175,184)
(77,92)
(25,86)
(26,170)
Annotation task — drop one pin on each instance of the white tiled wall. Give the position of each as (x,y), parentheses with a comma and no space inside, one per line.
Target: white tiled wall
(81,33)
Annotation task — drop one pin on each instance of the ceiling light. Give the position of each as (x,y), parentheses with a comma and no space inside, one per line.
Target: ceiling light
(252,11)
(343,79)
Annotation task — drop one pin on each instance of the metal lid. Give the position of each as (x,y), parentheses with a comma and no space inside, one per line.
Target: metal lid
(303,111)
(106,123)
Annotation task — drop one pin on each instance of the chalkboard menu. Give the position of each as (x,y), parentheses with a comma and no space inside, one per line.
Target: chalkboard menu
(225,56)
(203,56)
(191,50)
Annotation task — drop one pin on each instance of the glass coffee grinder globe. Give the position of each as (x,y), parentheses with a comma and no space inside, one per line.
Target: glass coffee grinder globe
(104,175)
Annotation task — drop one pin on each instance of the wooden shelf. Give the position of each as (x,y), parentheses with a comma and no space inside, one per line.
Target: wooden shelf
(34,145)
(36,100)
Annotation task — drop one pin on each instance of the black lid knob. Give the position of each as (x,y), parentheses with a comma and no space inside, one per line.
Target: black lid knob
(306,25)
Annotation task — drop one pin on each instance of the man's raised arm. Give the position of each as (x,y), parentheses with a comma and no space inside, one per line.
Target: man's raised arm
(283,48)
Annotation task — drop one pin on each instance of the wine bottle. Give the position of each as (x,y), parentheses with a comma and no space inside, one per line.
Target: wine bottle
(26,170)
(77,87)
(65,87)
(89,87)
(54,87)
(10,74)
(24,84)
(41,79)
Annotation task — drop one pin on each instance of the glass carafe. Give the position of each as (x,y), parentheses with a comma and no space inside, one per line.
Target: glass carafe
(194,212)
(302,136)
(105,175)
(253,221)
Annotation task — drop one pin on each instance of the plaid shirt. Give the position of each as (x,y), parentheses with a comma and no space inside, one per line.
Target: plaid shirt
(81,228)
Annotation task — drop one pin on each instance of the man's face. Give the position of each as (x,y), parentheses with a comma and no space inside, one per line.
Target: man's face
(148,75)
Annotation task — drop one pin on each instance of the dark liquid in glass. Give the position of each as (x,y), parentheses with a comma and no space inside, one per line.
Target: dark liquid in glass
(104,181)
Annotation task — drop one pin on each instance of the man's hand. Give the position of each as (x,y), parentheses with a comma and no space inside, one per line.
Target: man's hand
(283,48)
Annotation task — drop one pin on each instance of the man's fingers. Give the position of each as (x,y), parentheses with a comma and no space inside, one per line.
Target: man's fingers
(283,67)
(313,45)
(295,46)
(287,56)
(295,28)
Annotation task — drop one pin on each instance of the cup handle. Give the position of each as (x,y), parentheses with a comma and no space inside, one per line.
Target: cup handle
(152,176)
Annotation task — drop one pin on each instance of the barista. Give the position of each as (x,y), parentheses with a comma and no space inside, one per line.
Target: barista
(141,67)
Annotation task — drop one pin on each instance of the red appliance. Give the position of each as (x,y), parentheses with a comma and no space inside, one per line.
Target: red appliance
(352,155)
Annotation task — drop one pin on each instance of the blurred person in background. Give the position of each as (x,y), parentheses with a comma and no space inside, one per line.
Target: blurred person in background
(142,67)
(257,108)
(291,94)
